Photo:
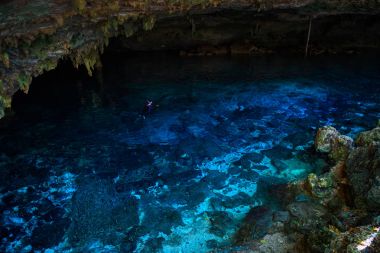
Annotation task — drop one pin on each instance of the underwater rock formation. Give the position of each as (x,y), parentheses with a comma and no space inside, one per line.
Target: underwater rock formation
(35,35)
(340,209)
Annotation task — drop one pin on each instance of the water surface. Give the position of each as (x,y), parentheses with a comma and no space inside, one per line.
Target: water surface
(86,167)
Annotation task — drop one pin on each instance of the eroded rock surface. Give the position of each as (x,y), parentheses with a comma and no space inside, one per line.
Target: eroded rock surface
(330,141)
(363,170)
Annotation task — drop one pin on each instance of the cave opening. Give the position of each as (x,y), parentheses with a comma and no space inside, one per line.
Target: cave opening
(223,33)
(198,135)
(57,90)
(237,33)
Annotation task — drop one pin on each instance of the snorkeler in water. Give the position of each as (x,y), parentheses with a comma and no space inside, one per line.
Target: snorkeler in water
(148,108)
(151,106)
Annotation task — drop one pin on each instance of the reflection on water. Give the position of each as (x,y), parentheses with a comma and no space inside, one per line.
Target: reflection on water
(89,167)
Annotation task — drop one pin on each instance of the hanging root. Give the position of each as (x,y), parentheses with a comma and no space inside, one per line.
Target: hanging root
(308,37)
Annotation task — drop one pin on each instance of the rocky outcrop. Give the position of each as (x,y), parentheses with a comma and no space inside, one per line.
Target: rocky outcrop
(368,137)
(341,212)
(360,239)
(35,35)
(330,141)
(363,170)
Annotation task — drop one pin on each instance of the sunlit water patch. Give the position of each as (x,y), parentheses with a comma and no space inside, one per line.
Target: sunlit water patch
(99,171)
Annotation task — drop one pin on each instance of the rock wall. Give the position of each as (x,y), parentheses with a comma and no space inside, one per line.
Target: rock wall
(35,35)
(248,32)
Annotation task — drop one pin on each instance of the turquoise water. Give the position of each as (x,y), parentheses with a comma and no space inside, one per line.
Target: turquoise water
(87,166)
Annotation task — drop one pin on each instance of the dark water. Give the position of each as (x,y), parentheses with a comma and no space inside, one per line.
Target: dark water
(87,167)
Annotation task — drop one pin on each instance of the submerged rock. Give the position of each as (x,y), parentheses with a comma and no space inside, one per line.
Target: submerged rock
(307,216)
(255,225)
(153,245)
(237,200)
(279,165)
(278,242)
(278,153)
(281,216)
(248,160)
(161,219)
(220,222)
(49,235)
(99,213)
(129,242)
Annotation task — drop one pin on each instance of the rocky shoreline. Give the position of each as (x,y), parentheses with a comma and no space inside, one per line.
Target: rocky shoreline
(337,211)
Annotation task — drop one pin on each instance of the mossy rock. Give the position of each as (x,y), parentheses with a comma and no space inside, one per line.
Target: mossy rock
(325,190)
(148,23)
(79,5)
(130,29)
(341,148)
(24,80)
(4,58)
(368,137)
(358,238)
(329,140)
(324,138)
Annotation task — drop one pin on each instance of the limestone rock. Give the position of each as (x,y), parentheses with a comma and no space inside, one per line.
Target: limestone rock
(368,137)
(324,189)
(373,196)
(278,242)
(329,189)
(324,139)
(255,225)
(281,216)
(360,239)
(363,172)
(320,186)
(329,140)
(337,215)
(306,216)
(343,201)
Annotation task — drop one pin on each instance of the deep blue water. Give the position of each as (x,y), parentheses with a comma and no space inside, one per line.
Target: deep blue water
(87,167)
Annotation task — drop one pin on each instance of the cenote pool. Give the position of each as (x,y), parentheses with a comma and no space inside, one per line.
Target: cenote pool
(87,166)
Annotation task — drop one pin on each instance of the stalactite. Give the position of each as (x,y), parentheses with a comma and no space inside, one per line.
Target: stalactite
(148,23)
(193,26)
(79,5)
